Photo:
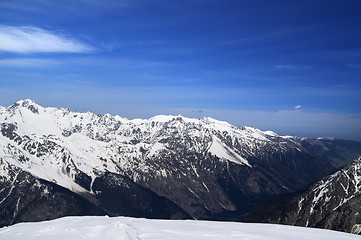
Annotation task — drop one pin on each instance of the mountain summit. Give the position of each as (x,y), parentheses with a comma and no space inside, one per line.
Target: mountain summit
(162,167)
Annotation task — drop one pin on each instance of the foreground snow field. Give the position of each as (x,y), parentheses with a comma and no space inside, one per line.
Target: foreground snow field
(125,228)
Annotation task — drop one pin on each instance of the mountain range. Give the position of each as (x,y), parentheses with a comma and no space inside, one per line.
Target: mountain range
(55,162)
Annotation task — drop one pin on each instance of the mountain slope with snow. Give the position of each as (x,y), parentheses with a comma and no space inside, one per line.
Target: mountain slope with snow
(105,228)
(199,168)
(333,203)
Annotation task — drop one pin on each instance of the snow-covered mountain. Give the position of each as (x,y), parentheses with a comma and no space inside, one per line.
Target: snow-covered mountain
(163,167)
(106,228)
(334,202)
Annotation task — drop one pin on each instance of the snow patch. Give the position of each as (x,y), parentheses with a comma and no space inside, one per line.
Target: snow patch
(220,150)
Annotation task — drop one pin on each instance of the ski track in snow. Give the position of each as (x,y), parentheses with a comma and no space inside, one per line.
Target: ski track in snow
(125,228)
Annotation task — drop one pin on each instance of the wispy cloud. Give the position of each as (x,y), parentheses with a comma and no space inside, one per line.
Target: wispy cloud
(297,107)
(292,67)
(26,62)
(79,7)
(30,39)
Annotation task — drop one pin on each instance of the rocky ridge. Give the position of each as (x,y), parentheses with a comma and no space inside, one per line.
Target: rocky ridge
(332,202)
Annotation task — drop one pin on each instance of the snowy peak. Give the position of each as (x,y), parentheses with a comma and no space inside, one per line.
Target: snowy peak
(64,118)
(25,103)
(29,104)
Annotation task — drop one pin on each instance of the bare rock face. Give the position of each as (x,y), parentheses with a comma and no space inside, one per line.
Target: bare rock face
(26,198)
(163,167)
(333,202)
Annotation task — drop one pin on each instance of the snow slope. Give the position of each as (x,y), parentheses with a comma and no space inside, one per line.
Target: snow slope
(124,228)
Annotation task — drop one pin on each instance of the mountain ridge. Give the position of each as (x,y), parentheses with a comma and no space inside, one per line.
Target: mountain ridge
(332,202)
(208,168)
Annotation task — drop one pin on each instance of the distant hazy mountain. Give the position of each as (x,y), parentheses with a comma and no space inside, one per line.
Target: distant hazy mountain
(333,202)
(55,162)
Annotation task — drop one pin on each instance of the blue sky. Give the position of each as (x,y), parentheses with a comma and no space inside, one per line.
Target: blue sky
(290,66)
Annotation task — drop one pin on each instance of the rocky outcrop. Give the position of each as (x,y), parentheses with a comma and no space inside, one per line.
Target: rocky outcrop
(333,203)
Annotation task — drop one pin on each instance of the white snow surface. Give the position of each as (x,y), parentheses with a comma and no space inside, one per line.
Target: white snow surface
(125,228)
(223,152)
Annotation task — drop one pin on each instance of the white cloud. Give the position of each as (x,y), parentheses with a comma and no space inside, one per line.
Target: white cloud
(297,107)
(29,39)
